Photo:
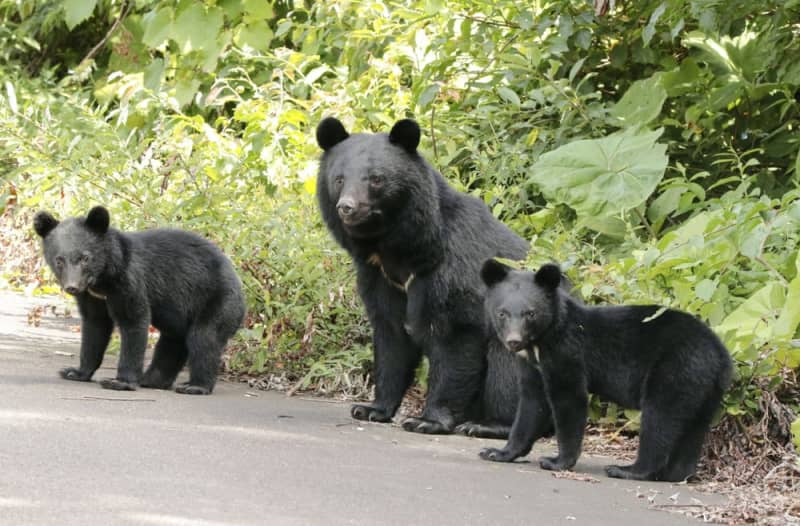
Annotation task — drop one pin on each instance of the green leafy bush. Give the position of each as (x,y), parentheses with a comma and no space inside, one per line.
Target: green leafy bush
(652,150)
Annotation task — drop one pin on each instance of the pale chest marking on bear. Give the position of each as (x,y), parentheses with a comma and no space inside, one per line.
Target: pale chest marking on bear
(524,354)
(375,259)
(97,295)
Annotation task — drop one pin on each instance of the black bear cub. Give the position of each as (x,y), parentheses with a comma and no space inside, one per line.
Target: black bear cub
(664,362)
(174,280)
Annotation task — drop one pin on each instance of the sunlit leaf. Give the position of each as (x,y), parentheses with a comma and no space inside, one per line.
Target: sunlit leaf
(602,177)
(650,29)
(508,95)
(157,25)
(755,316)
(789,319)
(186,28)
(256,35)
(705,289)
(427,96)
(642,102)
(76,11)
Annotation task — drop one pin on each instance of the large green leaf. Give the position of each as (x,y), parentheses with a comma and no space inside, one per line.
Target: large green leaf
(789,318)
(650,29)
(642,102)
(742,56)
(754,317)
(256,35)
(602,177)
(256,10)
(76,11)
(197,28)
(157,24)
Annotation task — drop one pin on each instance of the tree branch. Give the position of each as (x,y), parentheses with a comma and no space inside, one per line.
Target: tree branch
(126,8)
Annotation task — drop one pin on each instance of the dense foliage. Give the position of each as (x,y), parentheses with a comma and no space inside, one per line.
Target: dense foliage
(651,148)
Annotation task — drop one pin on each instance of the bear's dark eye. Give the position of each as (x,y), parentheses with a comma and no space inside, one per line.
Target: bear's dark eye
(530,315)
(502,315)
(85,259)
(338,181)
(375,180)
(60,261)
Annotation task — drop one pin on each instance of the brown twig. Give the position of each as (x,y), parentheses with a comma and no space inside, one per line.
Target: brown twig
(96,398)
(126,8)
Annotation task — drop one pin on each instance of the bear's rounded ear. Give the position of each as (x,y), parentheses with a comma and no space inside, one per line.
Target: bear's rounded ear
(406,134)
(493,272)
(330,132)
(98,220)
(44,223)
(548,276)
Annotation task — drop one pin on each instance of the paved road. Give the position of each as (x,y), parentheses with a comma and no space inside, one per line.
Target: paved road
(73,453)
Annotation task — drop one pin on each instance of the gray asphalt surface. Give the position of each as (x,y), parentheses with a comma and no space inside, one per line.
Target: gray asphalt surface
(73,453)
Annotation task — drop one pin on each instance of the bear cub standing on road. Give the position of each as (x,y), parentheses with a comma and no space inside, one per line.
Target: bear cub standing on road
(664,362)
(177,281)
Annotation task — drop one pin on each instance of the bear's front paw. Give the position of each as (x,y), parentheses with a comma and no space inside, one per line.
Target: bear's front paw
(117,385)
(555,464)
(73,373)
(370,413)
(187,388)
(497,455)
(429,427)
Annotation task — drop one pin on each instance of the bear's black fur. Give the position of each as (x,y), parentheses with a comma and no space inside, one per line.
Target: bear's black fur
(665,362)
(175,280)
(414,242)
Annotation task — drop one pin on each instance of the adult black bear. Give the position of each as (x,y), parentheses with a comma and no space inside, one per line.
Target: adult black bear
(175,280)
(664,362)
(414,241)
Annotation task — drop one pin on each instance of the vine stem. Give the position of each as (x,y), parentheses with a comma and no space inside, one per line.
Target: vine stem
(433,134)
(126,8)
(646,223)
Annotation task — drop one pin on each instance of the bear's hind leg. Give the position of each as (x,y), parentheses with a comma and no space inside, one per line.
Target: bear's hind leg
(659,435)
(684,456)
(454,380)
(169,358)
(205,346)
(686,453)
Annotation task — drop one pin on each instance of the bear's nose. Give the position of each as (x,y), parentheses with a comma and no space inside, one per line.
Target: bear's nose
(71,290)
(513,344)
(346,207)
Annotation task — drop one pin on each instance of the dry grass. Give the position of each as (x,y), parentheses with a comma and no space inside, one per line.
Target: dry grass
(753,462)
(21,265)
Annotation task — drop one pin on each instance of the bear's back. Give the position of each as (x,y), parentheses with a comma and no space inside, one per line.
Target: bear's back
(630,342)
